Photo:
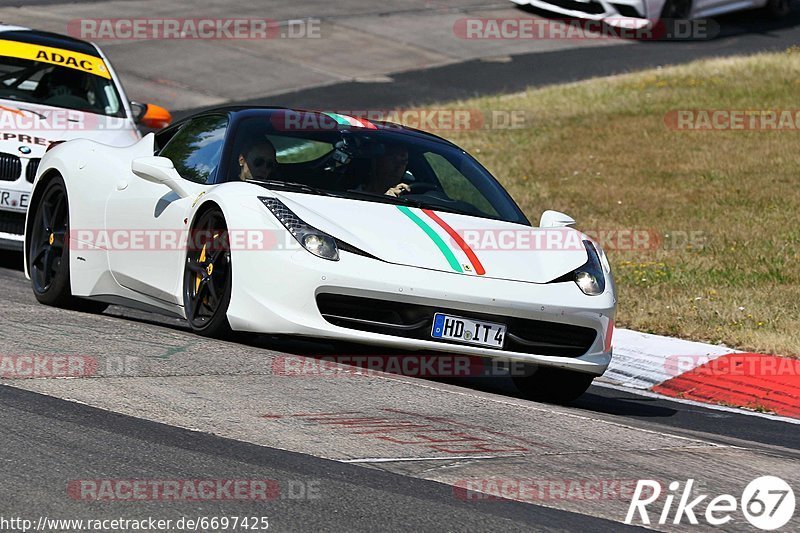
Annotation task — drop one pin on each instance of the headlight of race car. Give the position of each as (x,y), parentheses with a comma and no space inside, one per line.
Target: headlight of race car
(591,278)
(315,241)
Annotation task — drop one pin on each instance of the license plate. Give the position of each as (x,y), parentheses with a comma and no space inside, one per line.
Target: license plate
(14,200)
(469,331)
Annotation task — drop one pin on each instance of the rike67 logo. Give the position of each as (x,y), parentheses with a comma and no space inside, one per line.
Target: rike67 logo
(767,503)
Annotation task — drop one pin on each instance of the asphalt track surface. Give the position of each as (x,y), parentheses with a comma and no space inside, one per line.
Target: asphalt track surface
(738,34)
(77,441)
(189,408)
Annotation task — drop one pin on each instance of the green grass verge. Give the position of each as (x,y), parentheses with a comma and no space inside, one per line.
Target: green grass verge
(600,151)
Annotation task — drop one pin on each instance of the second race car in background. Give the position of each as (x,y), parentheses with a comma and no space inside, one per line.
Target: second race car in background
(55,88)
(643,13)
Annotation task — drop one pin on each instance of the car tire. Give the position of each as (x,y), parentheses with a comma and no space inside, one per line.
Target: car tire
(208,276)
(552,385)
(48,252)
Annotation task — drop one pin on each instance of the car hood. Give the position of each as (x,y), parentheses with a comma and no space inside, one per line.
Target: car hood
(430,239)
(26,129)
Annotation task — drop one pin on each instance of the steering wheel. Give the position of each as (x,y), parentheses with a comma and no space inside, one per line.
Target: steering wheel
(60,90)
(420,188)
(68,100)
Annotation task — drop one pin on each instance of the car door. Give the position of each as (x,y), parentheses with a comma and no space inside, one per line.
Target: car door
(146,221)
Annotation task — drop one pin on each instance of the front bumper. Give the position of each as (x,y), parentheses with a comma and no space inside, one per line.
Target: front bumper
(276,292)
(12,229)
(16,177)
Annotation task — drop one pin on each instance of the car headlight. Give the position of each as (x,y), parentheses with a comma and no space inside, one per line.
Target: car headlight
(315,241)
(590,277)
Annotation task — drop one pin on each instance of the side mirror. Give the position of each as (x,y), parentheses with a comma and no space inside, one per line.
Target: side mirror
(151,115)
(555,219)
(160,170)
(138,110)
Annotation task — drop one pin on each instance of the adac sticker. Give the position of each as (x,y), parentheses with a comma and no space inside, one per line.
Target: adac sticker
(56,56)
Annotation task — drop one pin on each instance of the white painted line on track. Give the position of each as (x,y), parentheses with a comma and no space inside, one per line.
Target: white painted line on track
(563,411)
(412,459)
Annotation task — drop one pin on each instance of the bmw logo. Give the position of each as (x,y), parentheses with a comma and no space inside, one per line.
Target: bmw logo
(25,150)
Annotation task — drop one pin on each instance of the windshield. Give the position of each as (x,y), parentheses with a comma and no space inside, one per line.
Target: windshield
(377,165)
(25,80)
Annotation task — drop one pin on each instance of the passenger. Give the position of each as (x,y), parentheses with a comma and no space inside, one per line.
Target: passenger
(258,161)
(388,172)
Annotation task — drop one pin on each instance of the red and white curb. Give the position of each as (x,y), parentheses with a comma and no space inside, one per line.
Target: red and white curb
(705,373)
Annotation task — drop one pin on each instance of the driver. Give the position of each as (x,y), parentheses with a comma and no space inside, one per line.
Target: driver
(257,161)
(388,172)
(62,81)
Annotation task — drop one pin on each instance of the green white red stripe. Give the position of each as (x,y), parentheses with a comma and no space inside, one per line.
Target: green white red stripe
(433,236)
(459,240)
(448,254)
(345,120)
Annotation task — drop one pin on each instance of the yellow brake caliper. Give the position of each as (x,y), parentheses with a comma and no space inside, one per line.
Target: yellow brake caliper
(209,269)
(198,277)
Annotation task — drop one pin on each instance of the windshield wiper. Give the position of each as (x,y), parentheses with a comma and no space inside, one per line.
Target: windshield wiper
(385,198)
(412,202)
(294,185)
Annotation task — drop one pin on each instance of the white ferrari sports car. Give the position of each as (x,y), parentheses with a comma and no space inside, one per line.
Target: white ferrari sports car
(327,226)
(643,13)
(54,88)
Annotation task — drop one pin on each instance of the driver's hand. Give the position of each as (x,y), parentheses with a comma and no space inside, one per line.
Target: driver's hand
(398,189)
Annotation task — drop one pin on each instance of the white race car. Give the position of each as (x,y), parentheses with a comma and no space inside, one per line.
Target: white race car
(54,88)
(637,14)
(321,225)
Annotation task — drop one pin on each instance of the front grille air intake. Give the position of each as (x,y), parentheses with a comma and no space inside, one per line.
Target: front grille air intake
(414,321)
(10,167)
(30,170)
